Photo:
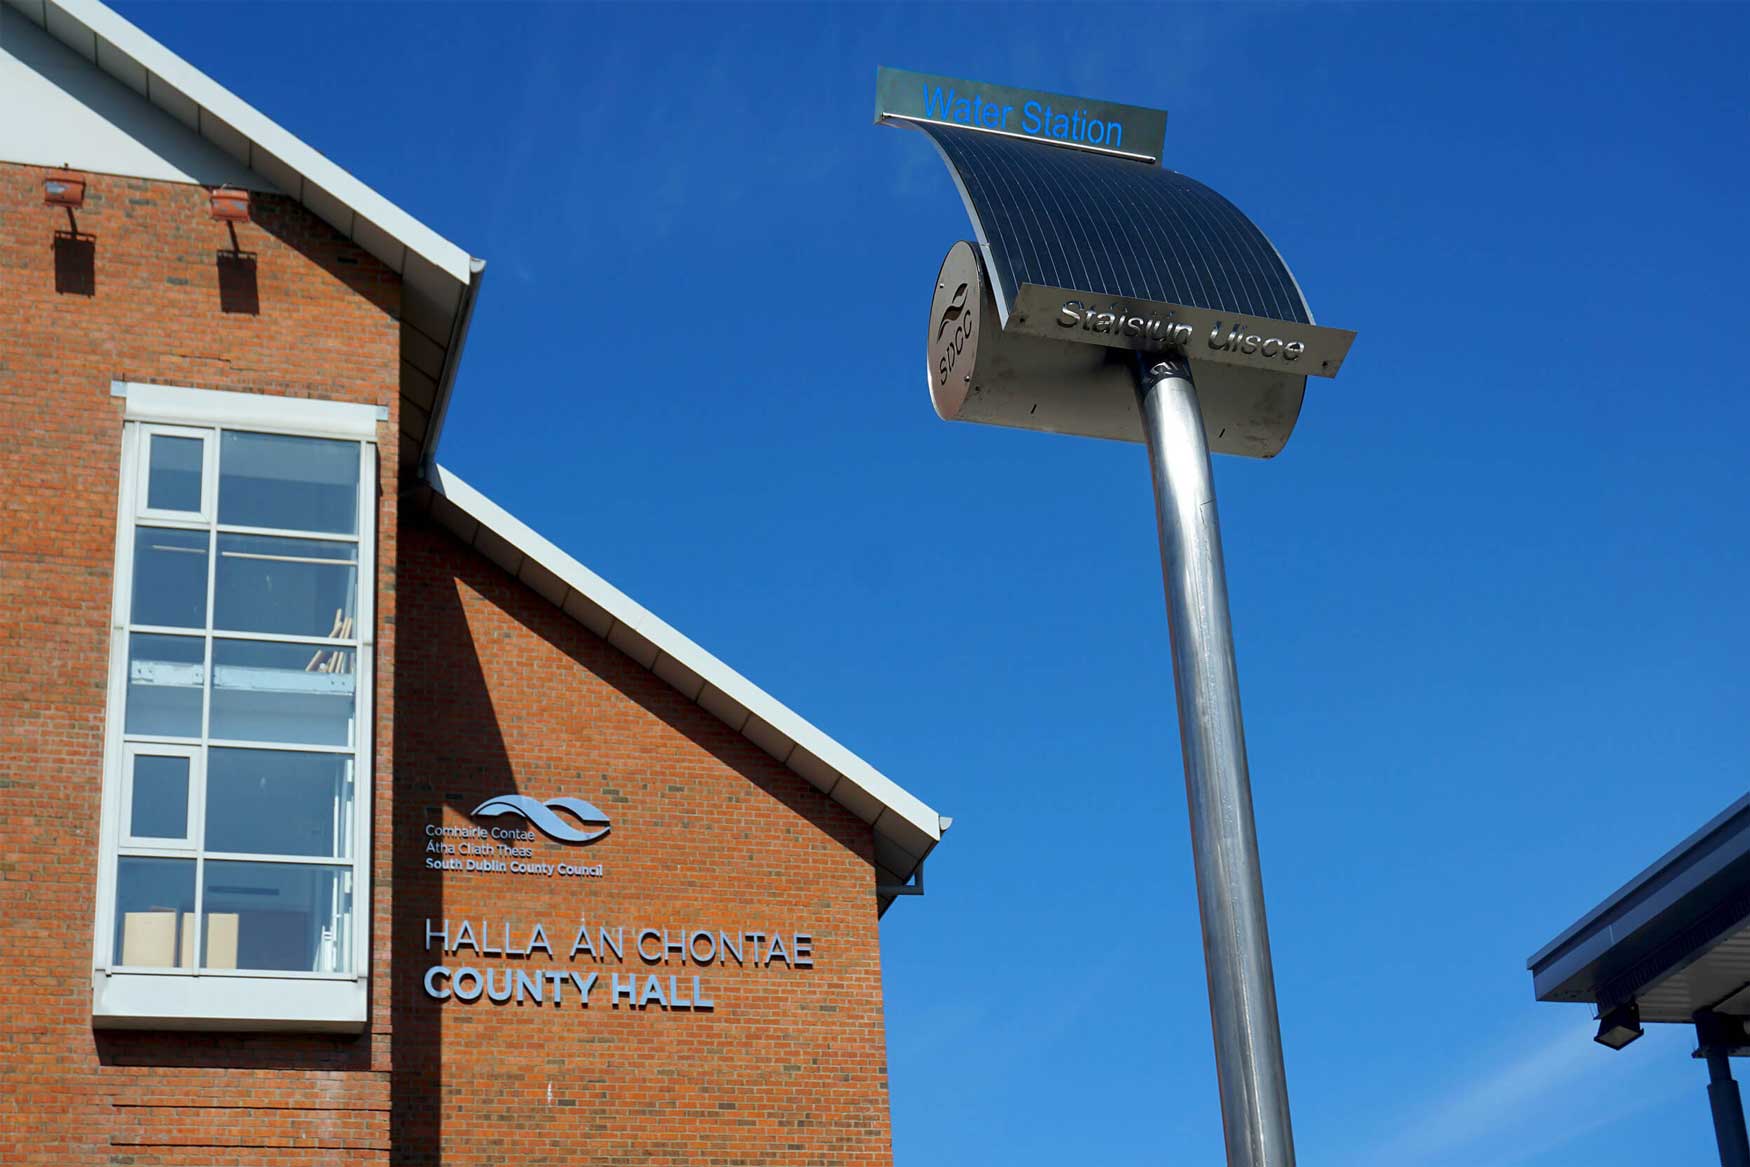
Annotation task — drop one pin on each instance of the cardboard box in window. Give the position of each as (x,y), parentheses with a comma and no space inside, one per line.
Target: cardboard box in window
(221,940)
(149,939)
(160,939)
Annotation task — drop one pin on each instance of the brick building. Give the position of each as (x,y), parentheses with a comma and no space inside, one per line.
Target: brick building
(346,818)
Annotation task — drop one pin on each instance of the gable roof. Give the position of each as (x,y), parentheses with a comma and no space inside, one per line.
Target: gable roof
(906,830)
(439,280)
(146,88)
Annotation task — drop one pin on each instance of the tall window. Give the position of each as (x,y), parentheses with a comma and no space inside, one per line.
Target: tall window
(240,684)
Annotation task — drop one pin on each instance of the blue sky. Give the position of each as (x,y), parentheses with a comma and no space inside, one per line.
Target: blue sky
(1489,601)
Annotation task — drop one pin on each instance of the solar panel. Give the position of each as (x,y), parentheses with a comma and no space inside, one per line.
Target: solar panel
(1066,218)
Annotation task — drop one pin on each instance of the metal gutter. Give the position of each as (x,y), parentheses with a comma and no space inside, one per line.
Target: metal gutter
(1652,872)
(1637,933)
(440,406)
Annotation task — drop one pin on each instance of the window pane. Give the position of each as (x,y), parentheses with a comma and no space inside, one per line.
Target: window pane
(277,803)
(297,587)
(160,798)
(173,473)
(165,676)
(282,693)
(170,577)
(299,484)
(154,912)
(295,917)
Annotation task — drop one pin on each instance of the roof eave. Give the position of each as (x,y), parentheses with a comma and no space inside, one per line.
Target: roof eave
(316,176)
(1667,899)
(439,279)
(906,829)
(452,362)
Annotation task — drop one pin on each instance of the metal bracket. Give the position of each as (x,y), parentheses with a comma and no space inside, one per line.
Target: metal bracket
(1718,1033)
(913,887)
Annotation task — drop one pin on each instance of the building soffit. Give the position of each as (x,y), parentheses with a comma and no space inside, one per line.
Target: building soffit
(906,830)
(438,279)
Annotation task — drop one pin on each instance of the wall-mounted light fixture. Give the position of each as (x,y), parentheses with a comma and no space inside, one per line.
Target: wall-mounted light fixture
(75,251)
(230,206)
(238,291)
(64,190)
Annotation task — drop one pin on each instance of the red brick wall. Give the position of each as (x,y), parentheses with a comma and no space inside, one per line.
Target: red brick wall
(144,303)
(499,692)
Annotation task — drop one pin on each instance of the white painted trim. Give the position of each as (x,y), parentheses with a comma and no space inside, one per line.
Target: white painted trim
(140,1000)
(197,519)
(166,68)
(364,712)
(668,642)
(214,998)
(179,848)
(110,815)
(177,405)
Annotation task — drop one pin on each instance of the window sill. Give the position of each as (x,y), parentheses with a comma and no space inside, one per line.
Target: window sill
(267,1003)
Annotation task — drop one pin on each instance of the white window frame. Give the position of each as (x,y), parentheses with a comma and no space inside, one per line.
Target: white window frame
(134,997)
(209,475)
(192,816)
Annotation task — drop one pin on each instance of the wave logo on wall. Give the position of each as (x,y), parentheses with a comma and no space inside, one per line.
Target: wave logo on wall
(545,817)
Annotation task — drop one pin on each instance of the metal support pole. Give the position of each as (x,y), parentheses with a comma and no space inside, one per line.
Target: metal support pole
(1224,842)
(1728,1108)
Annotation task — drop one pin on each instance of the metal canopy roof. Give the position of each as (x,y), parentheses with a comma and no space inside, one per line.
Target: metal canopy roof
(1045,215)
(1675,939)
(439,279)
(906,830)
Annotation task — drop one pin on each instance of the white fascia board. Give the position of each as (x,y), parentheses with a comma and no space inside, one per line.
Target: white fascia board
(176,405)
(897,801)
(265,135)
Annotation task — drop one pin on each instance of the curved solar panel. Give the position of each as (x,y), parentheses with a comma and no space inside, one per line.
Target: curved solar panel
(1045,215)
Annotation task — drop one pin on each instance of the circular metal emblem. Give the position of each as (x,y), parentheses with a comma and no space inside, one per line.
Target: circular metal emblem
(955,322)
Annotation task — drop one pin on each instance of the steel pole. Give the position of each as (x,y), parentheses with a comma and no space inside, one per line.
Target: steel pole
(1224,841)
(1728,1110)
